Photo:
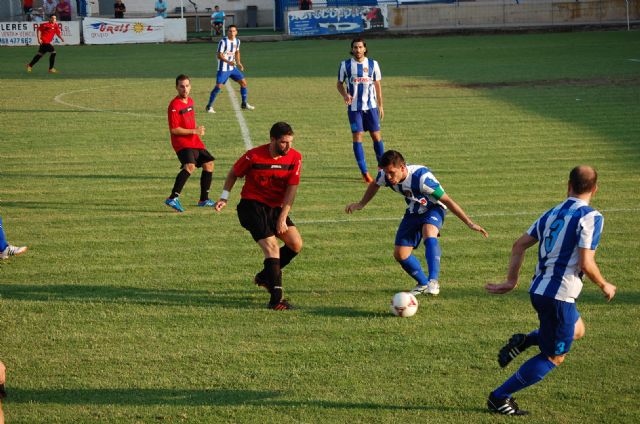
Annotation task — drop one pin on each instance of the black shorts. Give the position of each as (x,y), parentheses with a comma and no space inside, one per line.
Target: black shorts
(46,48)
(259,219)
(197,156)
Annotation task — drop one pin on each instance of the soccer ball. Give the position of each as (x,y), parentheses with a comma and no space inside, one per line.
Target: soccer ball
(404,304)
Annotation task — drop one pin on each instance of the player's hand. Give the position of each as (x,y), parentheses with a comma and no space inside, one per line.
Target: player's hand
(609,291)
(476,227)
(381,112)
(201,130)
(353,207)
(348,99)
(281,226)
(501,288)
(220,204)
(240,66)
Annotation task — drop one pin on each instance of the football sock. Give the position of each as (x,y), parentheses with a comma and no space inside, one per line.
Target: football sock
(358,151)
(378,147)
(274,279)
(432,253)
(52,60)
(212,96)
(181,180)
(35,60)
(531,372)
(243,94)
(3,240)
(411,265)
(286,255)
(531,339)
(205,184)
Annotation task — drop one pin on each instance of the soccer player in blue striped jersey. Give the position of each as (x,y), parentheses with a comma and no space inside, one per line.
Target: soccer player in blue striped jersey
(229,66)
(363,97)
(427,203)
(567,237)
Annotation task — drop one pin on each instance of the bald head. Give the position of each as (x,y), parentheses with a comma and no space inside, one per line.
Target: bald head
(582,179)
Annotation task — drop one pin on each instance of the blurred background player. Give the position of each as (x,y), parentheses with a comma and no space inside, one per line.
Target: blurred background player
(426,208)
(7,250)
(229,66)
(217,21)
(272,175)
(185,140)
(46,32)
(567,238)
(363,97)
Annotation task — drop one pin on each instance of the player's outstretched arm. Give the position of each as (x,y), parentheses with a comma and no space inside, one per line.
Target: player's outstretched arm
(372,189)
(229,182)
(590,268)
(518,251)
(457,211)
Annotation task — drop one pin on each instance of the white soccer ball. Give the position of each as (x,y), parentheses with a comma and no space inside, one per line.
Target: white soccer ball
(404,304)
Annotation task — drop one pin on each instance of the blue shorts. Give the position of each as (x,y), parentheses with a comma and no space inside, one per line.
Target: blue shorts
(557,324)
(364,120)
(410,229)
(223,76)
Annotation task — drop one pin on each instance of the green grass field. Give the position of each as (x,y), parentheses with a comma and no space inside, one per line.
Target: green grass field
(125,312)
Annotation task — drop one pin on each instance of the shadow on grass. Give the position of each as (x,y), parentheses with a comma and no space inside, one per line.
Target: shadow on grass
(190,397)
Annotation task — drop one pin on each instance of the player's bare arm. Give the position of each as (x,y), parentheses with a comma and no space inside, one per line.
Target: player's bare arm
(369,194)
(238,62)
(224,59)
(518,251)
(378,88)
(188,131)
(343,92)
(229,182)
(457,211)
(287,202)
(590,268)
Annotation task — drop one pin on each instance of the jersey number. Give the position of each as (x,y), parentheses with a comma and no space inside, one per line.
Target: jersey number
(554,230)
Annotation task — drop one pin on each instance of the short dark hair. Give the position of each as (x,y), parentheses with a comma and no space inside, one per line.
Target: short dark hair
(280,129)
(391,157)
(182,77)
(359,40)
(232,26)
(583,179)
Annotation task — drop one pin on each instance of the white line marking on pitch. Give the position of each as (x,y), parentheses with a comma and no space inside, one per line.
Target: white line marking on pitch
(244,129)
(58,99)
(634,60)
(398,218)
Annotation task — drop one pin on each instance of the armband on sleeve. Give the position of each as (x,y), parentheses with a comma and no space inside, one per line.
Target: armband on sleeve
(438,193)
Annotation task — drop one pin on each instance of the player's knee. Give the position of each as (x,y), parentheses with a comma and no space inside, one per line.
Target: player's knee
(189,167)
(208,166)
(579,333)
(557,359)
(399,255)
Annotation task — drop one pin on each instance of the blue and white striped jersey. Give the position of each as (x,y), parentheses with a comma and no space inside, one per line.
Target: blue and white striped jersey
(228,48)
(560,232)
(360,79)
(420,189)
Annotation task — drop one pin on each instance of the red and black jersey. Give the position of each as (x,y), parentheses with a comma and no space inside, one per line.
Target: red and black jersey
(183,115)
(48,31)
(266,178)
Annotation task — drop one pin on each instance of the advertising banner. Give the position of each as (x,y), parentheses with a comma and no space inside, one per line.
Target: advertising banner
(338,20)
(24,33)
(119,31)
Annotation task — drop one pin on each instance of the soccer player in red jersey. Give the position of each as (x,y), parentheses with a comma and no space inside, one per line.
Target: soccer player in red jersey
(46,32)
(272,175)
(191,151)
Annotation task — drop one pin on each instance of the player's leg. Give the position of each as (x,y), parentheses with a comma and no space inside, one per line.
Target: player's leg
(371,123)
(37,57)
(221,79)
(292,244)
(357,132)
(52,59)
(205,160)
(432,221)
(407,238)
(6,249)
(559,324)
(238,77)
(188,160)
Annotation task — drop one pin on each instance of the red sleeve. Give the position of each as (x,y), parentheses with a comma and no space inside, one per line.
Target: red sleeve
(173,116)
(294,179)
(242,165)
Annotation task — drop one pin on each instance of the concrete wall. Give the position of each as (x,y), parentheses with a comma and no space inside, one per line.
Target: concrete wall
(488,14)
